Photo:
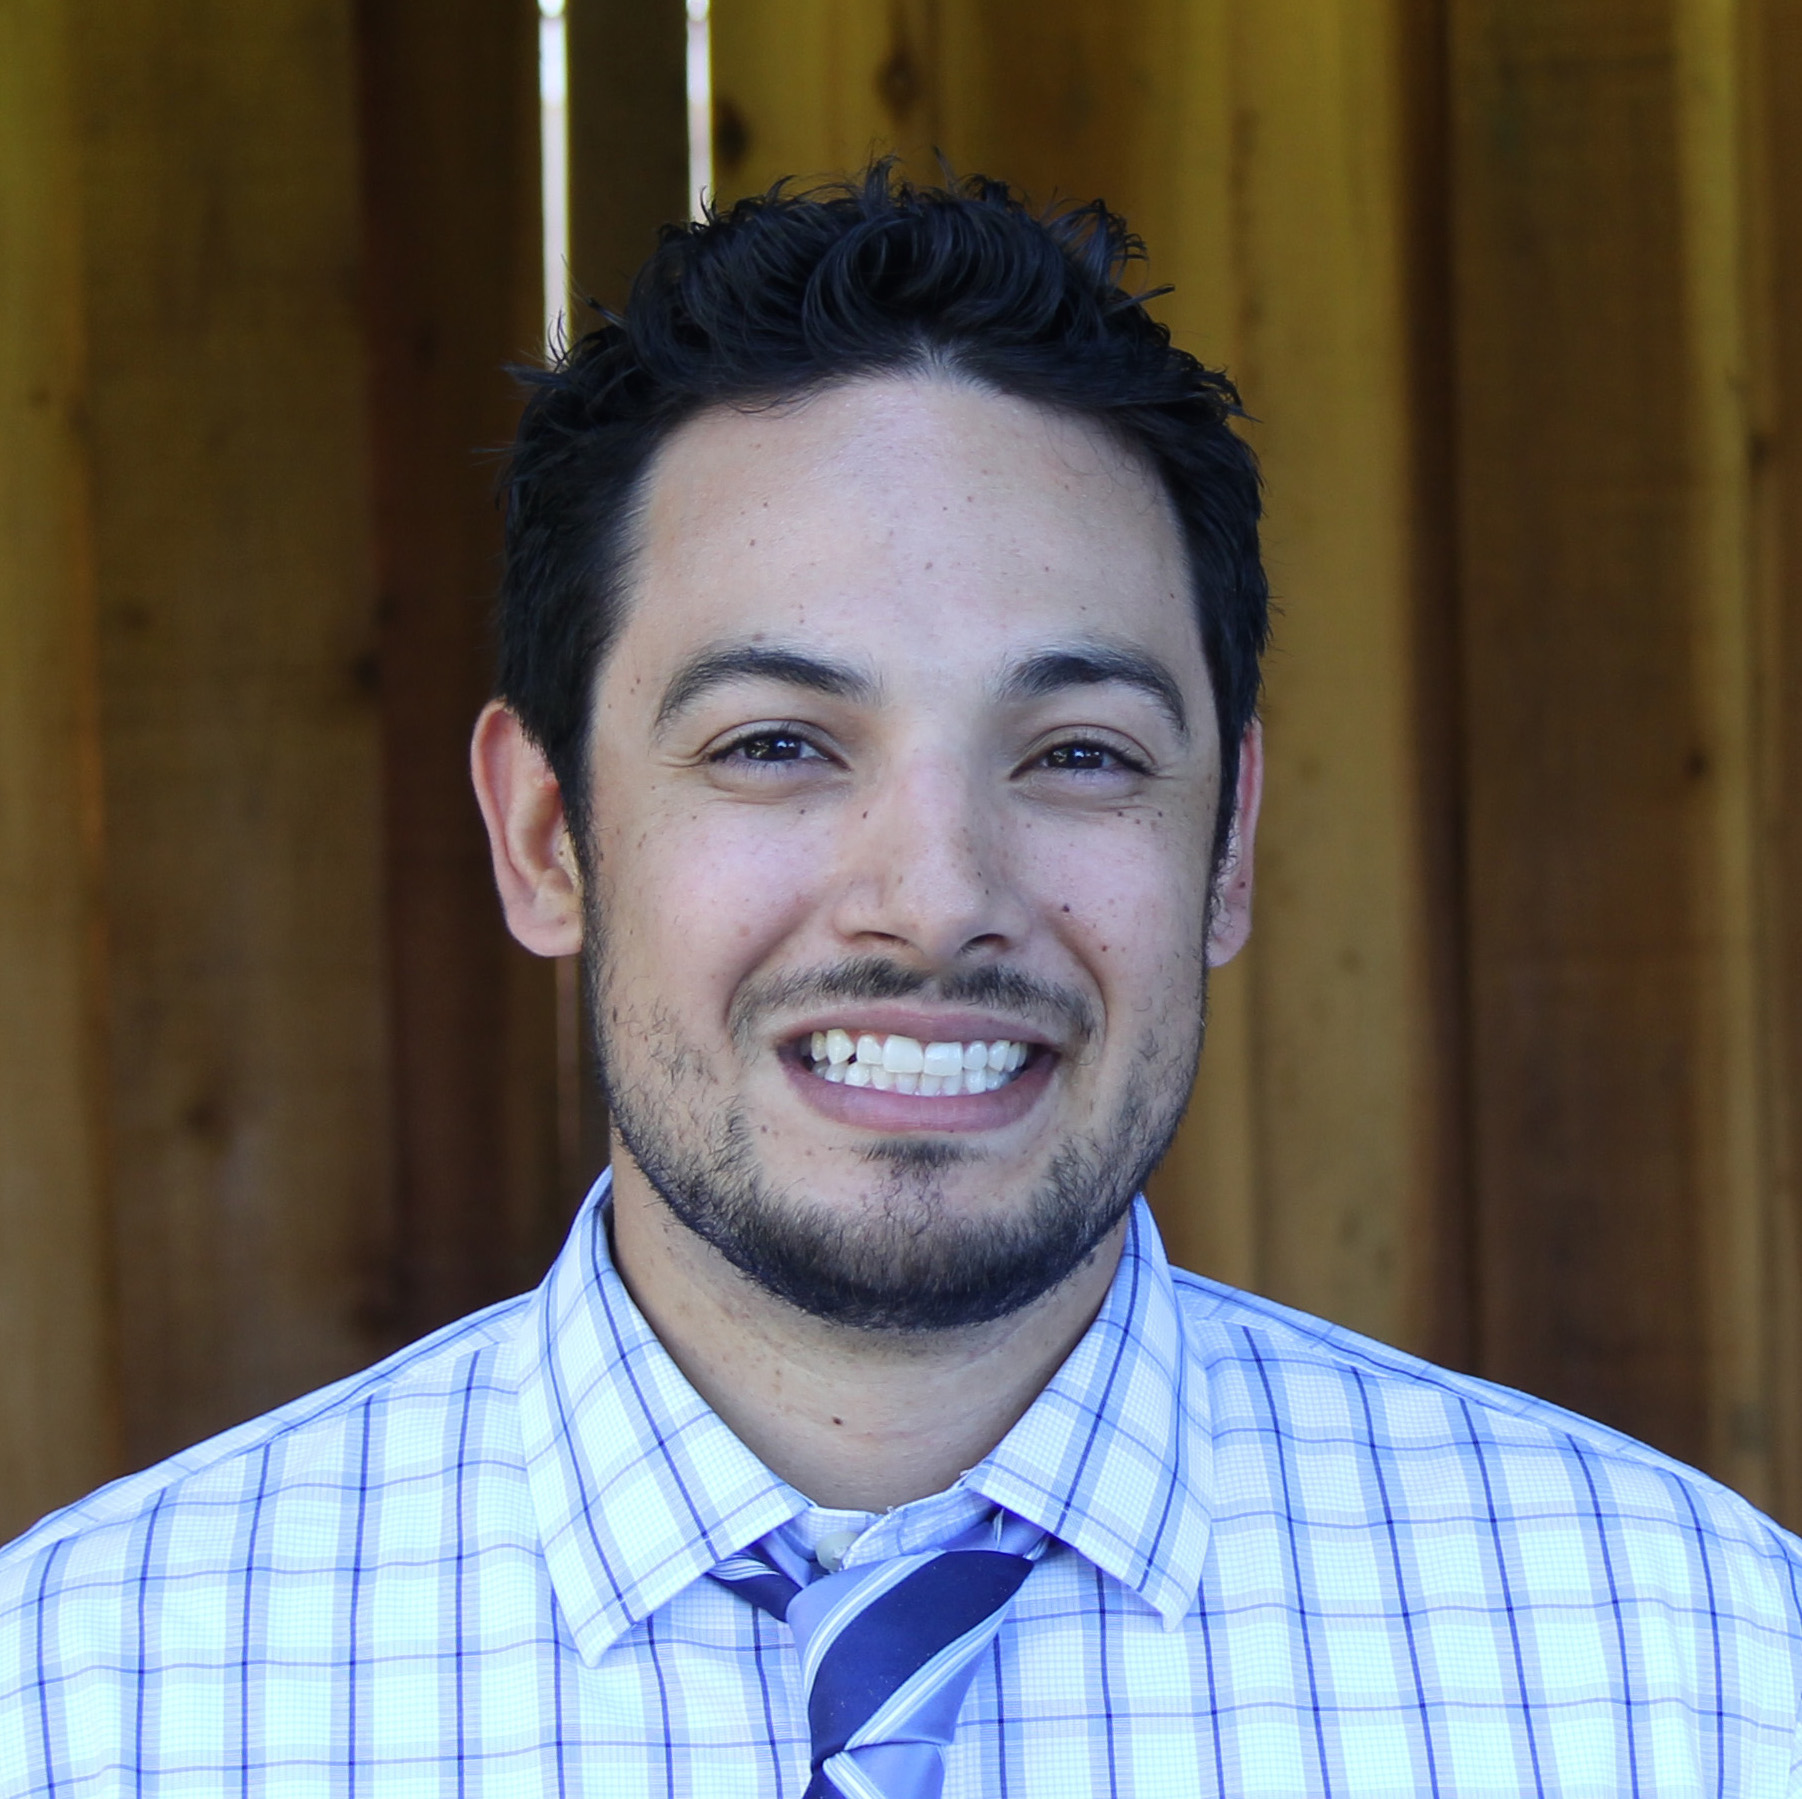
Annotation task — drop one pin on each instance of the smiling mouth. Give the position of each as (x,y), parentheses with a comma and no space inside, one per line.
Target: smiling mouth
(896,1064)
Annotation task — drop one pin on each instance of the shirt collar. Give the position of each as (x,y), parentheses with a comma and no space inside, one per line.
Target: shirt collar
(1115,1457)
(638,1486)
(640,1489)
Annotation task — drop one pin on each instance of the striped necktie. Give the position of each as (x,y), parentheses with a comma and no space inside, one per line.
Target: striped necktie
(888,1651)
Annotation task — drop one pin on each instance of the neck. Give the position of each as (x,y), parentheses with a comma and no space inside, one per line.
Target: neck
(857,1420)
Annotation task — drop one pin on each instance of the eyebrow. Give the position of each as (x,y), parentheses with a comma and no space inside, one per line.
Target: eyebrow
(1094,664)
(720,664)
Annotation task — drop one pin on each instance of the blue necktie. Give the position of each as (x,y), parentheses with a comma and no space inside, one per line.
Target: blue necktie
(887,1654)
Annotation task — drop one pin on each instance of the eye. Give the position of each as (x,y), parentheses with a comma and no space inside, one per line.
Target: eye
(1087,756)
(769,746)
(764,746)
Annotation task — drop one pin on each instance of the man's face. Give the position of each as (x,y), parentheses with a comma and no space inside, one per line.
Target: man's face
(904,778)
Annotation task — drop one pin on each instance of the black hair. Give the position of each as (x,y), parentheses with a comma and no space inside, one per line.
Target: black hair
(781,295)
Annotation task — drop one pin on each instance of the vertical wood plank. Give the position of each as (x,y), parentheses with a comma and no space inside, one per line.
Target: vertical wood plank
(451,221)
(1733,1064)
(1594,776)
(628,137)
(1772,55)
(1070,101)
(58,1424)
(239,703)
(811,88)
(1355,1176)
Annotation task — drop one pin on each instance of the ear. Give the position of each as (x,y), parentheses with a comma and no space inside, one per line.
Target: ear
(535,864)
(1229,912)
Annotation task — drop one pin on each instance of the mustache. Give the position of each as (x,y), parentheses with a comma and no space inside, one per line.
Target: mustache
(994,987)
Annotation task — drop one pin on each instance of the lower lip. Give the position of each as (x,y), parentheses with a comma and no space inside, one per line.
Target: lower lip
(871,1110)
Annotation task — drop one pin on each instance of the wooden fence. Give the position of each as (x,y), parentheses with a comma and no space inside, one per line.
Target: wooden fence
(1514,290)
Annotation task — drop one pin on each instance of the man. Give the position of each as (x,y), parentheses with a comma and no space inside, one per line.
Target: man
(879,654)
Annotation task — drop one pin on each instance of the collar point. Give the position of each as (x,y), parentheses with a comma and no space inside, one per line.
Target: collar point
(1172,1600)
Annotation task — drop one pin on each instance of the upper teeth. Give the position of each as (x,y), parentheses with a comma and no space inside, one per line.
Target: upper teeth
(906,1065)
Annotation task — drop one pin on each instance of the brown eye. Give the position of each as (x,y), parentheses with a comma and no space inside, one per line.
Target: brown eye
(775,748)
(1090,758)
(767,746)
(1084,758)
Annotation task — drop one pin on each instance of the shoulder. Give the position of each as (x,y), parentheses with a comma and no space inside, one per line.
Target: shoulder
(1447,1451)
(295,1469)
(257,1557)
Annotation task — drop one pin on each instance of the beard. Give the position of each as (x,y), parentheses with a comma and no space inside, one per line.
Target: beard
(904,1260)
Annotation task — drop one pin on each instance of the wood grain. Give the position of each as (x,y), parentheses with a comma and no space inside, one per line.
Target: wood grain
(58,1403)
(1769,65)
(240,732)
(451,235)
(1593,776)
(1350,1104)
(628,137)
(815,88)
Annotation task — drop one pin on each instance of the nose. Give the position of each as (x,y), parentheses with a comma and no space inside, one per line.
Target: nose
(924,869)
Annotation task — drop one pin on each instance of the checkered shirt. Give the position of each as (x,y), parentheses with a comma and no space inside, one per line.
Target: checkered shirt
(1284,1561)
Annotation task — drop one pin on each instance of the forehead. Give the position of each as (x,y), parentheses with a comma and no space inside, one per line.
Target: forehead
(918,520)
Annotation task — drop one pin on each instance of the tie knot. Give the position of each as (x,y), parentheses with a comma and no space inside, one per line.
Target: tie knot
(888,1651)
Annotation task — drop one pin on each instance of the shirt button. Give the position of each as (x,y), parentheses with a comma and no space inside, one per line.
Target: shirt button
(833,1547)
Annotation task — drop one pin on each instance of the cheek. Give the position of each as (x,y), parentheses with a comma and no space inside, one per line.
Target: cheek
(694,901)
(1132,903)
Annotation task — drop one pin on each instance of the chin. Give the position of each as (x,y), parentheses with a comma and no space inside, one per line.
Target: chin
(915,1239)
